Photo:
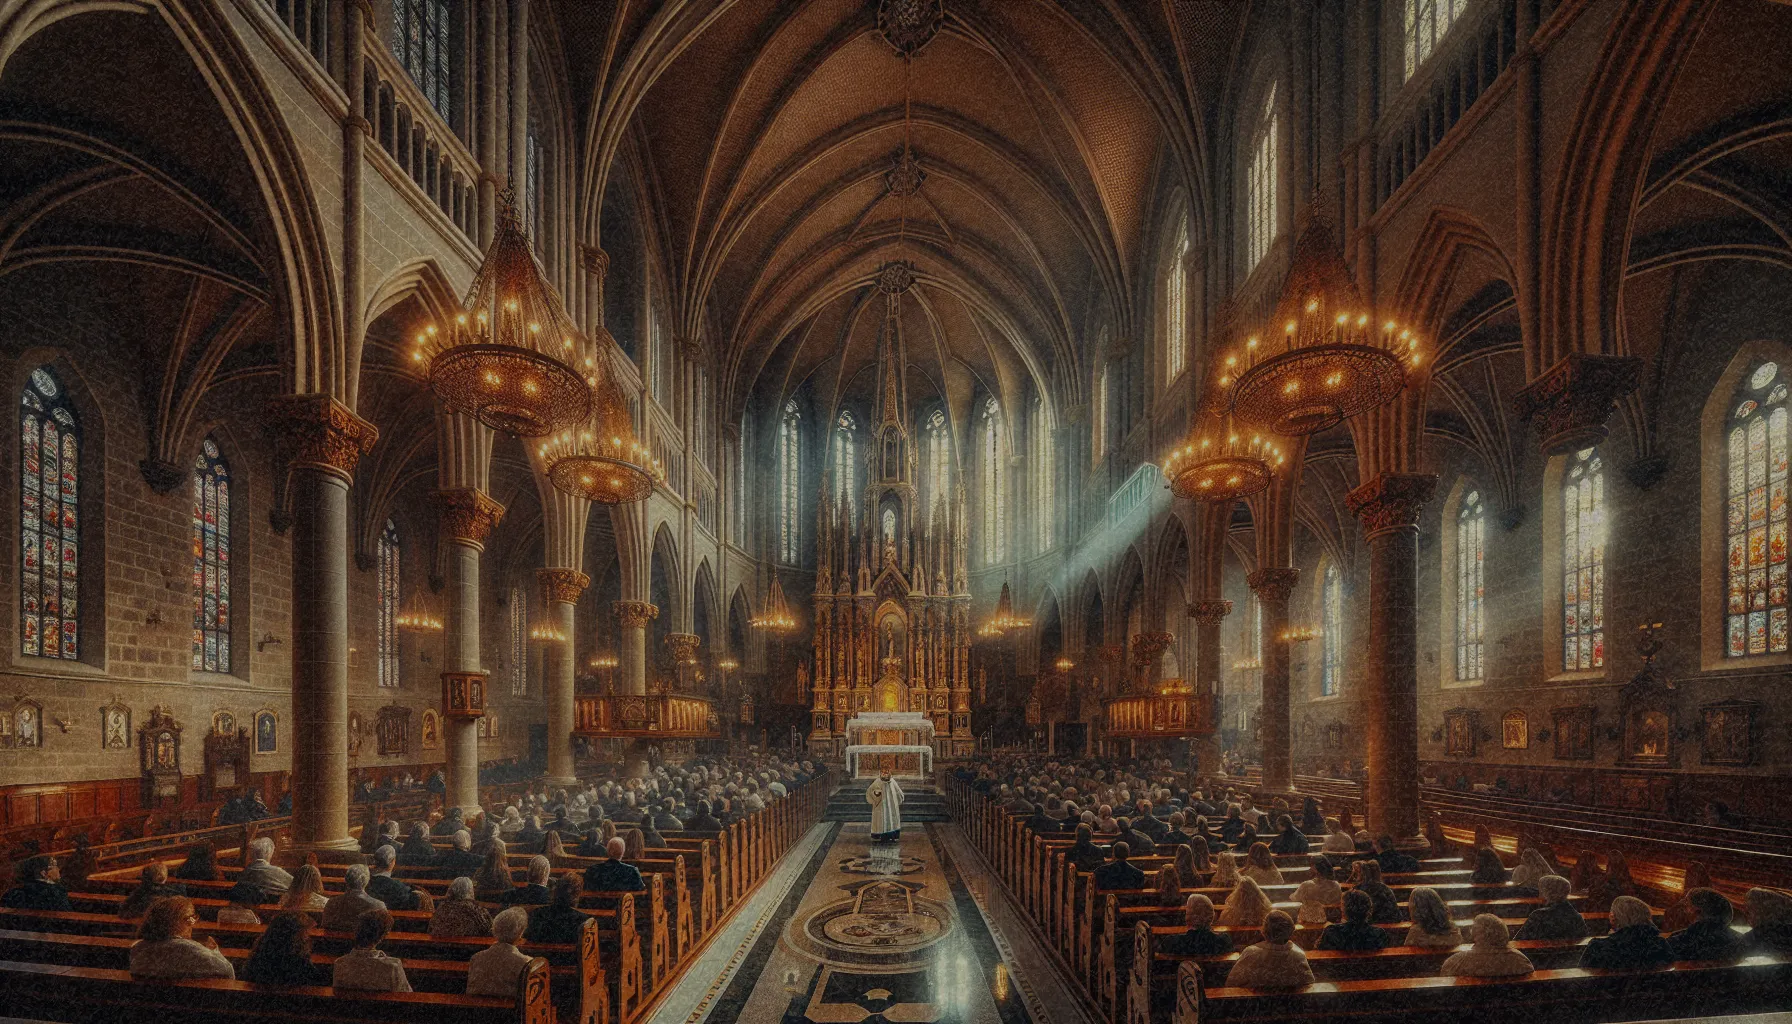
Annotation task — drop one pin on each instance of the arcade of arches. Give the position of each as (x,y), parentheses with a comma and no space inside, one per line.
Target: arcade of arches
(929,312)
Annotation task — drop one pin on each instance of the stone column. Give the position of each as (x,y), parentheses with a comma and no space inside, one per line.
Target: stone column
(560,590)
(1272,587)
(1389,507)
(467,516)
(321,440)
(1208,615)
(632,618)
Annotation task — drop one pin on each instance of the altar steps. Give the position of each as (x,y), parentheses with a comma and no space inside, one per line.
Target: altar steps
(920,803)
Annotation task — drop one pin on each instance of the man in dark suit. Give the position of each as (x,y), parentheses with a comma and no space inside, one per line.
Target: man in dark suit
(460,859)
(705,819)
(1148,823)
(39,886)
(1393,862)
(1136,840)
(388,890)
(1117,873)
(1200,939)
(1175,836)
(418,851)
(536,892)
(612,875)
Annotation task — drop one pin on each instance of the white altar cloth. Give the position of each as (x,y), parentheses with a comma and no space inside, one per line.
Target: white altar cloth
(853,752)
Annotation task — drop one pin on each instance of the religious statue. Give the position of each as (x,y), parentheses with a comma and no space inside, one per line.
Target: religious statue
(802,682)
(885,798)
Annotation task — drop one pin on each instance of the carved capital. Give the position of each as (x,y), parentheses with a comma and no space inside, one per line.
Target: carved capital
(635,614)
(683,646)
(163,476)
(562,585)
(594,260)
(467,514)
(1571,401)
(318,432)
(1150,646)
(1209,613)
(1391,502)
(1273,585)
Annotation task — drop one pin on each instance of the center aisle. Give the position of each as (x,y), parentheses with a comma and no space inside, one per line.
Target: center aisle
(859,933)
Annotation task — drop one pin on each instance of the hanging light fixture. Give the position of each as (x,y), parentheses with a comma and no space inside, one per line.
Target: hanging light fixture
(1004,618)
(600,460)
(1332,357)
(420,614)
(512,358)
(776,617)
(1223,464)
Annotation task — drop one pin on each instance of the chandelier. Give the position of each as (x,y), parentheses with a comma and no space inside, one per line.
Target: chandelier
(512,359)
(776,617)
(1004,618)
(1223,465)
(600,460)
(546,631)
(419,614)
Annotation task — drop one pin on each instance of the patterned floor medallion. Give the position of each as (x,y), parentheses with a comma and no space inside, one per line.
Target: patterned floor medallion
(881,925)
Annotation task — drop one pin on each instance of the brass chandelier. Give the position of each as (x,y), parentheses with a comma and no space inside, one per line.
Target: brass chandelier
(1004,618)
(776,618)
(512,359)
(600,460)
(419,614)
(1223,465)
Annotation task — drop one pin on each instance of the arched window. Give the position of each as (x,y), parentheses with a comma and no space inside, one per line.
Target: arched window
(995,505)
(1426,22)
(1044,504)
(1257,631)
(1755,523)
(1260,186)
(519,641)
(422,31)
(388,605)
(1471,534)
(790,452)
(936,445)
(889,524)
(211,559)
(49,519)
(1176,305)
(1098,415)
(535,183)
(846,450)
(1583,562)
(1331,615)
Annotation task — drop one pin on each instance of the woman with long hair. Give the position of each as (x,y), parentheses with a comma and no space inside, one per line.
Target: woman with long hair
(306,894)
(1169,886)
(1431,923)
(1225,870)
(553,848)
(1366,877)
(1489,869)
(1586,872)
(282,954)
(1247,906)
(493,880)
(1682,913)
(201,865)
(1614,883)
(1318,894)
(165,948)
(1192,864)
(635,844)
(1261,866)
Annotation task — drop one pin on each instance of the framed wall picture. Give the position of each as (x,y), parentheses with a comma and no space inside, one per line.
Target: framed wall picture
(1574,732)
(1459,732)
(115,726)
(431,729)
(267,732)
(1727,732)
(1515,730)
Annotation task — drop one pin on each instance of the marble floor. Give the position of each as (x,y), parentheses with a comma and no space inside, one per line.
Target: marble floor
(846,931)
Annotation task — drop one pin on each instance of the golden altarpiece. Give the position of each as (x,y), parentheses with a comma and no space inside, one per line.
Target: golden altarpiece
(892,595)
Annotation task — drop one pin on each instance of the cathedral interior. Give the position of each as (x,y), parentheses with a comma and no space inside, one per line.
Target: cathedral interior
(885,511)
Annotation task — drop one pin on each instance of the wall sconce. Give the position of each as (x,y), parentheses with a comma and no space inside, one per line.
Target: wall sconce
(267,640)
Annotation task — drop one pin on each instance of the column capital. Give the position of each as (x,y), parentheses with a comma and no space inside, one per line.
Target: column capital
(319,432)
(594,260)
(467,514)
(635,614)
(1391,502)
(683,646)
(562,585)
(1570,401)
(1149,646)
(1209,613)
(1273,584)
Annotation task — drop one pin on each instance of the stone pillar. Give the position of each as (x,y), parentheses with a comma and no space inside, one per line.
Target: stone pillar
(632,618)
(467,516)
(1272,587)
(1208,615)
(560,590)
(1389,507)
(321,440)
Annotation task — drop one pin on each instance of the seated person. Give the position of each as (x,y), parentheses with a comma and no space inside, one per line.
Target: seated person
(1175,835)
(1367,875)
(366,967)
(1319,892)
(534,892)
(1633,943)
(282,954)
(306,894)
(1490,956)
(612,874)
(1247,906)
(1337,838)
(343,911)
(1556,918)
(705,819)
(592,843)
(494,971)
(1393,861)
(665,817)
(459,859)
(1710,937)
(1276,962)
(262,873)
(1148,823)
(1431,922)
(1770,914)
(1288,839)
(452,822)
(152,885)
(1200,939)
(1084,853)
(561,920)
(39,886)
(1489,869)
(165,948)
(1258,864)
(1233,828)
(458,915)
(388,890)
(1117,873)
(1044,824)
(1355,934)
(418,851)
(244,898)
(1138,842)
(201,865)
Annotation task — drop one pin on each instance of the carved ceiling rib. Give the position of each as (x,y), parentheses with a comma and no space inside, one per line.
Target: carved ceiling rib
(208,328)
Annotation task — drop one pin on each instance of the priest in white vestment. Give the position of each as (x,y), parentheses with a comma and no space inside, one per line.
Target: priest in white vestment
(885,798)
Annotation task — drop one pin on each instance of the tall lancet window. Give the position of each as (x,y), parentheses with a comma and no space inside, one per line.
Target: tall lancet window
(1471,534)
(846,460)
(1176,305)
(889,522)
(519,641)
(992,486)
(49,524)
(1331,615)
(1755,527)
(388,605)
(790,461)
(1044,507)
(211,559)
(1261,183)
(936,447)
(1583,562)
(421,32)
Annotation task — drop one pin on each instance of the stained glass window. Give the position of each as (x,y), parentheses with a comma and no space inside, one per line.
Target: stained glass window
(1257,631)
(535,184)
(1331,600)
(846,461)
(421,30)
(519,641)
(992,498)
(789,469)
(50,529)
(1471,534)
(936,443)
(1755,524)
(1583,562)
(1427,21)
(1260,187)
(1176,306)
(211,559)
(388,569)
(1044,509)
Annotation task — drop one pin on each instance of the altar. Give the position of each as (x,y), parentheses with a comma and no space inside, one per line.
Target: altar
(900,742)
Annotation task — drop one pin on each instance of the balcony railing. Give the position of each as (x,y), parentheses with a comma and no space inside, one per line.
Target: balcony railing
(410,130)
(1135,493)
(1175,713)
(309,22)
(668,716)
